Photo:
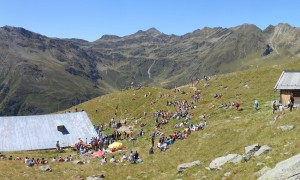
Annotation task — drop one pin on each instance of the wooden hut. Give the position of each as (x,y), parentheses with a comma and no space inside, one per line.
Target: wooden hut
(289,84)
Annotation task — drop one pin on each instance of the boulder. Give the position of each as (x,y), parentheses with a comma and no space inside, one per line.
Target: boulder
(251,149)
(185,166)
(287,169)
(220,161)
(45,168)
(286,127)
(95,177)
(262,150)
(247,157)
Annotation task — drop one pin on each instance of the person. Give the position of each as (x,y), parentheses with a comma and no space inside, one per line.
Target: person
(151,150)
(26,160)
(54,159)
(103,160)
(274,107)
(136,155)
(43,161)
(237,105)
(10,158)
(152,140)
(57,146)
(113,160)
(205,123)
(256,105)
(70,158)
(2,156)
(31,163)
(131,157)
(124,157)
(292,100)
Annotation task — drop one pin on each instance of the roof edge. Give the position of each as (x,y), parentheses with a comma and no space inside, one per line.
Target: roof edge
(275,87)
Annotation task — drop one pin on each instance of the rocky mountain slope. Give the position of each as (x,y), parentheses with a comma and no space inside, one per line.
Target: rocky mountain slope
(39,74)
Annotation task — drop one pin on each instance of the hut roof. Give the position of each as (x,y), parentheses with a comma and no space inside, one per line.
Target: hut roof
(43,131)
(288,80)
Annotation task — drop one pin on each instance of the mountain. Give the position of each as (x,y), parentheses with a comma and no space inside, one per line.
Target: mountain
(40,75)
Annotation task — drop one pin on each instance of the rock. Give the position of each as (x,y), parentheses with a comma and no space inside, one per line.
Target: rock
(287,169)
(78,162)
(227,174)
(288,144)
(78,178)
(96,177)
(247,157)
(185,166)
(259,164)
(262,171)
(220,161)
(45,168)
(262,150)
(286,127)
(252,148)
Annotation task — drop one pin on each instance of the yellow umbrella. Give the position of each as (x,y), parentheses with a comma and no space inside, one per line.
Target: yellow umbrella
(115,145)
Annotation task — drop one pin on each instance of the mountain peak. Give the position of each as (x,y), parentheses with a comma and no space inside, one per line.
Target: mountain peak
(151,32)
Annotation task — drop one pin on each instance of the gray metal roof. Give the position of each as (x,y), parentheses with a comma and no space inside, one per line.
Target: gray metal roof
(288,80)
(19,133)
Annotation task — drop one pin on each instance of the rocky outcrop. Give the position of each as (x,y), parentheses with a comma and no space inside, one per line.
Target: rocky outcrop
(185,166)
(45,168)
(262,150)
(287,169)
(95,177)
(286,127)
(252,148)
(220,161)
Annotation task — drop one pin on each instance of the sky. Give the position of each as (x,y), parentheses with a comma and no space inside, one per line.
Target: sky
(90,19)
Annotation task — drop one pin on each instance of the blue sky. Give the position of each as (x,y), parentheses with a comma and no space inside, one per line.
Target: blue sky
(90,19)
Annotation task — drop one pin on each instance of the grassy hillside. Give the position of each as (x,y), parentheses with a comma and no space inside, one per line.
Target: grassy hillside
(229,130)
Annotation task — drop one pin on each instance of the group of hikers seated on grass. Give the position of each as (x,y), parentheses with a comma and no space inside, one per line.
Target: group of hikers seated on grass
(30,162)
(133,158)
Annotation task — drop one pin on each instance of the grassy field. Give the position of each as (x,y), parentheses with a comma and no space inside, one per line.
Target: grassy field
(229,131)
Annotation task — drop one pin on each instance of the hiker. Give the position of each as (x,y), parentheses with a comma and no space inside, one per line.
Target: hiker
(31,163)
(2,156)
(274,107)
(103,160)
(26,160)
(43,161)
(136,155)
(256,104)
(151,150)
(124,157)
(57,146)
(291,102)
(237,105)
(113,160)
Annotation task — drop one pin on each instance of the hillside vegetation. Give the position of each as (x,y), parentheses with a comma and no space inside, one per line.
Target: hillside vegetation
(65,72)
(229,130)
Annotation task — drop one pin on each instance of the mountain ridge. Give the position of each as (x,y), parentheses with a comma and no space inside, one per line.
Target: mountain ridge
(66,71)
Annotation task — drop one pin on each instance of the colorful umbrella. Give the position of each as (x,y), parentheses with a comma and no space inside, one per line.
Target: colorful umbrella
(115,145)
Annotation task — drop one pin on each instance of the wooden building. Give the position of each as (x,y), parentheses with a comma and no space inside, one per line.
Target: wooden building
(289,84)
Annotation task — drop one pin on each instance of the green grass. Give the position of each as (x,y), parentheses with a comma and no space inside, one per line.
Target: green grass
(229,131)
